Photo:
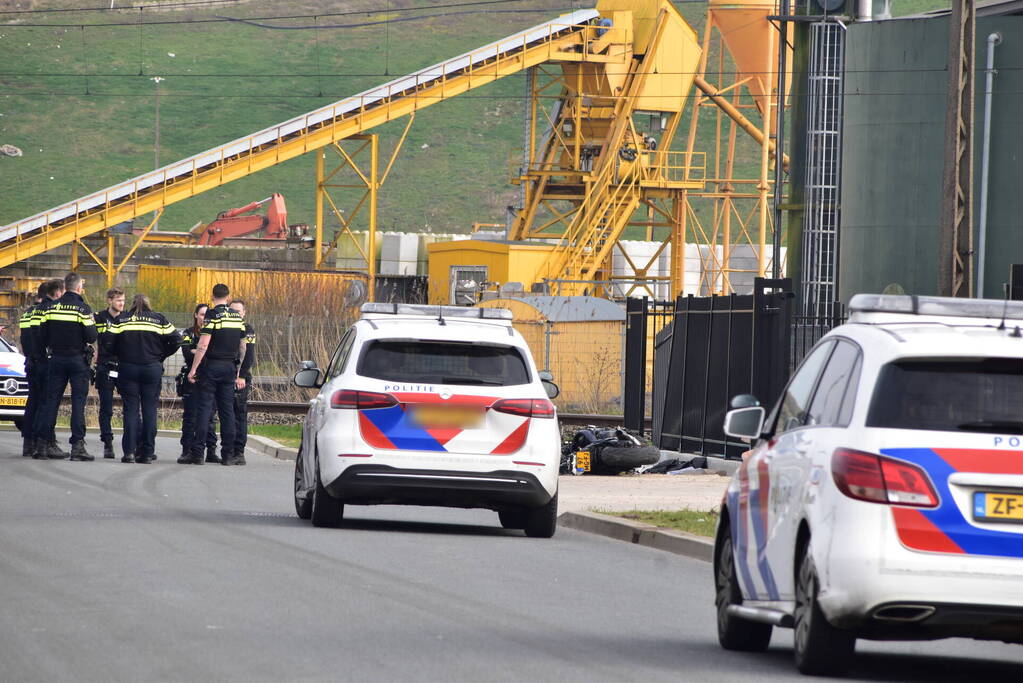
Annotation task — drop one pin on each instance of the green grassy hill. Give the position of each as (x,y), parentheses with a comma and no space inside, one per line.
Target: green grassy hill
(77,96)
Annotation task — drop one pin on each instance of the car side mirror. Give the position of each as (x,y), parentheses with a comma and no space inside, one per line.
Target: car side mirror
(744,401)
(745,423)
(307,378)
(550,388)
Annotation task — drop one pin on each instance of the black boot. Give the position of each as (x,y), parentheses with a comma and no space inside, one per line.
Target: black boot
(28,447)
(53,451)
(78,452)
(239,457)
(128,457)
(108,449)
(39,451)
(211,455)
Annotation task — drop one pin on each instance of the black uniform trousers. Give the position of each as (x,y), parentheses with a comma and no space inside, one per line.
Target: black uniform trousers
(215,387)
(241,419)
(105,390)
(41,374)
(190,403)
(139,385)
(65,369)
(35,375)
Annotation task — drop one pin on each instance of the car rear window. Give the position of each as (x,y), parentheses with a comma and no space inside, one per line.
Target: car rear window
(444,363)
(985,395)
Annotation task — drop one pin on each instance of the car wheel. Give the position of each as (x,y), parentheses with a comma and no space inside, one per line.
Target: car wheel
(303,503)
(542,522)
(734,633)
(820,648)
(512,519)
(326,509)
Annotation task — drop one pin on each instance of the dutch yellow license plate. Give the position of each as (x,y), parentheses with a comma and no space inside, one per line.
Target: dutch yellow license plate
(582,461)
(447,417)
(998,507)
(13,400)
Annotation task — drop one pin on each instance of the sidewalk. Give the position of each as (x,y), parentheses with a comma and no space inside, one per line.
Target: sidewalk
(602,494)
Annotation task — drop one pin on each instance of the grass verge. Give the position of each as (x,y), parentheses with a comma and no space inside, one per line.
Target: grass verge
(691,521)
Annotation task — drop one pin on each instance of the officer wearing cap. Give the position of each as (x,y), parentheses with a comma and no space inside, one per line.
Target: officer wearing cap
(140,341)
(214,371)
(28,349)
(242,386)
(106,367)
(68,330)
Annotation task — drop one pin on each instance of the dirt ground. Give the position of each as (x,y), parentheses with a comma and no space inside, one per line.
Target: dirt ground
(641,492)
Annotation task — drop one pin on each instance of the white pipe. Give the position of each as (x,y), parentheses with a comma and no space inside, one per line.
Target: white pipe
(864,10)
(993,39)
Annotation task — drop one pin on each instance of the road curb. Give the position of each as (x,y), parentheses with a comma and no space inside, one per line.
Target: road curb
(268,446)
(677,542)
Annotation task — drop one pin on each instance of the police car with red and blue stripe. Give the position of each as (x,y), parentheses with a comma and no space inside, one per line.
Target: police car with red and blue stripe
(883,495)
(431,405)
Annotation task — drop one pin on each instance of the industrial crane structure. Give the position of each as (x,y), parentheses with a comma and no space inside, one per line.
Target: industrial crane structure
(588,168)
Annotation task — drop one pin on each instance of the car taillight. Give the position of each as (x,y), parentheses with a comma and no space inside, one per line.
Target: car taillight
(525,407)
(351,399)
(877,479)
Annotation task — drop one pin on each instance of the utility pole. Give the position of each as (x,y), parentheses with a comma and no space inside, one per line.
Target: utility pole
(156,143)
(955,243)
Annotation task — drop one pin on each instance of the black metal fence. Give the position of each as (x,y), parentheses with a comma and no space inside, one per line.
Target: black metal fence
(707,350)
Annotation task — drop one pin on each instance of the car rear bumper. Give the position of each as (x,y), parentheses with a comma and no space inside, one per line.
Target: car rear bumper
(381,485)
(922,620)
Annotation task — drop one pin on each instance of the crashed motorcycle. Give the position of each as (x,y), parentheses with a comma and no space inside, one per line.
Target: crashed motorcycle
(605,451)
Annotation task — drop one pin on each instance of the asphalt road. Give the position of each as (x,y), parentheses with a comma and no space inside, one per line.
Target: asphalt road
(112,572)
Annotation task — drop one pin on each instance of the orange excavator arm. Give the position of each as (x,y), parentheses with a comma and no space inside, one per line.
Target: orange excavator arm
(233,223)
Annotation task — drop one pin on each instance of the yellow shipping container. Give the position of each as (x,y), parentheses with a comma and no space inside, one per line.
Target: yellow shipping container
(580,339)
(480,260)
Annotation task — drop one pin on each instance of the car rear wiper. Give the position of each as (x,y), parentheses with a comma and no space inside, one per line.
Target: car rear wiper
(1003,426)
(470,380)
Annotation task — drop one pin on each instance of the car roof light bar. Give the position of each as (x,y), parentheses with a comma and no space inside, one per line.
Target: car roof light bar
(437,312)
(936,306)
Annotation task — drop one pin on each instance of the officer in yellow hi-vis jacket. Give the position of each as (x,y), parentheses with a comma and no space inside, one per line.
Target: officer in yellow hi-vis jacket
(67,330)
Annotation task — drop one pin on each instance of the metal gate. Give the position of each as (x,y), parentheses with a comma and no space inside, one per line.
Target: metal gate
(714,348)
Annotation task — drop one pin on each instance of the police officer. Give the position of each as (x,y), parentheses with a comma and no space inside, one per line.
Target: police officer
(68,329)
(105,364)
(190,397)
(215,373)
(43,436)
(28,349)
(242,386)
(140,341)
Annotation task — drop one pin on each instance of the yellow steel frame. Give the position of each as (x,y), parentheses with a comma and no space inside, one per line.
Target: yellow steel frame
(570,43)
(108,250)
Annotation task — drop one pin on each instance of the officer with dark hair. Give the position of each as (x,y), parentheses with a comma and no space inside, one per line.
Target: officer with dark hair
(106,367)
(29,350)
(189,396)
(45,441)
(140,341)
(215,373)
(68,330)
(242,386)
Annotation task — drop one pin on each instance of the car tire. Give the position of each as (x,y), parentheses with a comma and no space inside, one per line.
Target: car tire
(327,510)
(512,519)
(820,648)
(303,506)
(734,633)
(629,457)
(542,522)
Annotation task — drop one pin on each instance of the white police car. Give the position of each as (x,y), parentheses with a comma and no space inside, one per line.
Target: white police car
(429,405)
(883,496)
(13,385)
